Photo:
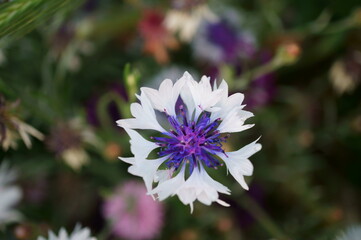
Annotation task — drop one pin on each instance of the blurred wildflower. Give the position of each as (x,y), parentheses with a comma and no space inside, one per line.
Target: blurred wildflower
(112,150)
(23,231)
(156,37)
(335,214)
(186,17)
(220,41)
(345,73)
(189,234)
(10,195)
(286,54)
(198,127)
(78,234)
(224,224)
(70,41)
(133,214)
(261,91)
(12,128)
(305,138)
(68,139)
(351,233)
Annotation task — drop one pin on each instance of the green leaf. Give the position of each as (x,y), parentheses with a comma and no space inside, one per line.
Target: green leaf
(21,16)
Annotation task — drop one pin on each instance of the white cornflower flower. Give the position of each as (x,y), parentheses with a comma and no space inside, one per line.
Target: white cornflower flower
(351,233)
(78,234)
(200,119)
(9,195)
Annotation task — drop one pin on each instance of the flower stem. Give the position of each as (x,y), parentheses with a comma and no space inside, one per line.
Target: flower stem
(262,217)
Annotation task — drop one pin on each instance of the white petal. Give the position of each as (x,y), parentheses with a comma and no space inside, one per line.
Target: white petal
(130,160)
(238,164)
(186,93)
(83,234)
(227,104)
(234,121)
(247,151)
(199,96)
(9,197)
(200,186)
(163,175)
(169,187)
(144,116)
(223,203)
(139,146)
(146,169)
(166,97)
(63,235)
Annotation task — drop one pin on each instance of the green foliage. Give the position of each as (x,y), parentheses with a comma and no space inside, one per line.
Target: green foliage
(21,16)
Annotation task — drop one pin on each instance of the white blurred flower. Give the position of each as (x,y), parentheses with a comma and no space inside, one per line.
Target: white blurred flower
(340,78)
(351,233)
(69,141)
(12,128)
(345,73)
(186,23)
(198,127)
(10,195)
(78,234)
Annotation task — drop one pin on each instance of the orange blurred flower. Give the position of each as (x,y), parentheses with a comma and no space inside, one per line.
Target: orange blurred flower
(157,39)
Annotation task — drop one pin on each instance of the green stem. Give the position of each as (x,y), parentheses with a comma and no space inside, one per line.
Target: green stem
(248,76)
(261,216)
(105,233)
(102,113)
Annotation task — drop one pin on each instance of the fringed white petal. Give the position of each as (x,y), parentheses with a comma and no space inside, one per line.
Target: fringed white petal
(200,186)
(144,116)
(203,96)
(238,164)
(234,120)
(146,169)
(227,103)
(169,187)
(165,98)
(186,94)
(139,146)
(77,234)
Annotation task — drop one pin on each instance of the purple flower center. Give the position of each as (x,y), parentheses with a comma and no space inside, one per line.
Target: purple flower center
(194,142)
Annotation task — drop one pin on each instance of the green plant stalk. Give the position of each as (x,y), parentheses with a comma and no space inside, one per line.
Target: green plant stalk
(102,113)
(263,219)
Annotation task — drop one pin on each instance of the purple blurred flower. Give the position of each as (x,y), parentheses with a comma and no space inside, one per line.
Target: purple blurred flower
(219,42)
(232,43)
(133,214)
(261,91)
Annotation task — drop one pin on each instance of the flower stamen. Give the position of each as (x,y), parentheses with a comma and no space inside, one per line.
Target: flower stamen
(191,142)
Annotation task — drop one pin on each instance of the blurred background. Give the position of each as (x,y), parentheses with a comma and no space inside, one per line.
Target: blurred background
(70,68)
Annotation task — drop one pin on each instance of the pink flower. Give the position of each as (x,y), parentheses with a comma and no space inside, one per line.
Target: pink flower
(133,214)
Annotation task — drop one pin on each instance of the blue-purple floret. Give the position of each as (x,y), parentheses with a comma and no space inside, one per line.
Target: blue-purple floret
(193,142)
